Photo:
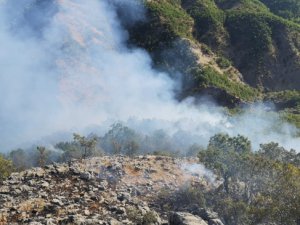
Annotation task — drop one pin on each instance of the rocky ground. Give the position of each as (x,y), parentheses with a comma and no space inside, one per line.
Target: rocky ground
(104,190)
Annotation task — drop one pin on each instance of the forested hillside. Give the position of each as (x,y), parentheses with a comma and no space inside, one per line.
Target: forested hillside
(234,50)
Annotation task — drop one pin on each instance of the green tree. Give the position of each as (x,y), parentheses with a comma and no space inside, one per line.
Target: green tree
(132,148)
(274,151)
(224,154)
(121,139)
(71,150)
(87,145)
(19,159)
(6,168)
(42,156)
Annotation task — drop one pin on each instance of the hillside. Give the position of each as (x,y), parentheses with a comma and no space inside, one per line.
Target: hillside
(107,190)
(233,50)
(239,188)
(150,112)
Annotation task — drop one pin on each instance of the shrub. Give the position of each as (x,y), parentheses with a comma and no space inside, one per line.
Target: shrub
(6,168)
(223,62)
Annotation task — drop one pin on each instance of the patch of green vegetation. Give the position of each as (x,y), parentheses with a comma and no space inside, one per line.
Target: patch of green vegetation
(209,76)
(172,15)
(209,20)
(289,9)
(252,30)
(284,95)
(206,50)
(6,168)
(253,35)
(290,105)
(164,153)
(223,62)
(268,175)
(292,118)
(250,5)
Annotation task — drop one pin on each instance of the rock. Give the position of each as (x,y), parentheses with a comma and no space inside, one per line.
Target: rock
(113,221)
(87,212)
(206,214)
(24,188)
(120,210)
(86,176)
(45,184)
(124,196)
(184,218)
(215,222)
(50,221)
(4,190)
(71,194)
(62,169)
(57,202)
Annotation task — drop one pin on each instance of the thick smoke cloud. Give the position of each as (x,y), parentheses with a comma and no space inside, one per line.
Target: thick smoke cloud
(65,67)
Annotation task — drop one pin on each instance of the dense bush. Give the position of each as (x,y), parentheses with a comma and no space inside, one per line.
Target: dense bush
(289,9)
(258,187)
(6,168)
(173,16)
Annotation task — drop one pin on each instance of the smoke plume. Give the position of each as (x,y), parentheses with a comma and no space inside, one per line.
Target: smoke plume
(65,67)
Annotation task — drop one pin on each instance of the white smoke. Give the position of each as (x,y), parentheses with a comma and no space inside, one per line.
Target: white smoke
(64,66)
(199,170)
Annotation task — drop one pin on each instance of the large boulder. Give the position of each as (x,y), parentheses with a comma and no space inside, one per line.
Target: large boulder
(184,218)
(211,217)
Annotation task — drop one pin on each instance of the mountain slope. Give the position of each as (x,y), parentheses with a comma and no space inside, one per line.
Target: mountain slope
(248,46)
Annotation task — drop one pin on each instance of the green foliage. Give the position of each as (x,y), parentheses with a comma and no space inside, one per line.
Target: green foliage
(273,151)
(242,5)
(288,95)
(252,30)
(194,149)
(232,211)
(190,195)
(208,19)
(19,159)
(224,142)
(164,153)
(245,31)
(210,76)
(149,218)
(6,168)
(223,153)
(43,155)
(137,217)
(259,187)
(289,9)
(71,150)
(292,118)
(87,145)
(121,140)
(173,16)
(223,62)
(288,102)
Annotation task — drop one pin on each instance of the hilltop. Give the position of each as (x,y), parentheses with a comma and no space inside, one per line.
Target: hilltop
(103,190)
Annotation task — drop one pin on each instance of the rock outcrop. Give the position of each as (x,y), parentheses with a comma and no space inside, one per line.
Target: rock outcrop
(105,190)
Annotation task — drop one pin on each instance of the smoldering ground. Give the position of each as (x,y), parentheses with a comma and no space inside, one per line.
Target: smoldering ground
(65,67)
